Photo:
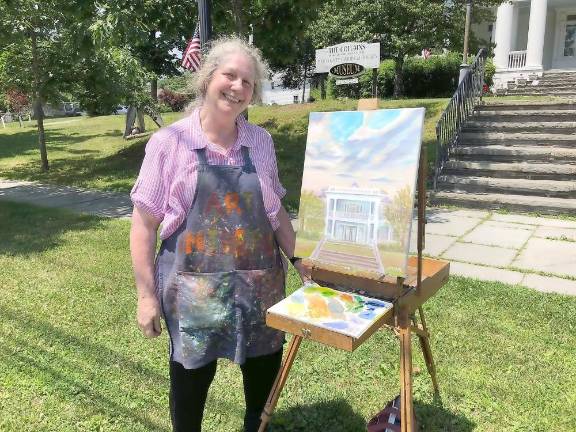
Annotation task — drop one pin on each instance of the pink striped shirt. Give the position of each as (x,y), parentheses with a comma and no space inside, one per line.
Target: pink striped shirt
(166,184)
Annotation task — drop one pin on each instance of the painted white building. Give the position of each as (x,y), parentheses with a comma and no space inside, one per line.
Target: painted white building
(274,93)
(532,37)
(354,215)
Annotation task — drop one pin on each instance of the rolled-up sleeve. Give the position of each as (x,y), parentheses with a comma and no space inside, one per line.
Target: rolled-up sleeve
(150,192)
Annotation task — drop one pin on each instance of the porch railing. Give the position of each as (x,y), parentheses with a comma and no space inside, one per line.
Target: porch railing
(516,59)
(461,106)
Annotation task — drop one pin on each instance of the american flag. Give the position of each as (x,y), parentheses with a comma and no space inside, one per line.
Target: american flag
(193,53)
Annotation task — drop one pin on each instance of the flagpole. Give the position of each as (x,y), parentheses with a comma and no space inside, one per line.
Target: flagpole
(204,13)
(464,66)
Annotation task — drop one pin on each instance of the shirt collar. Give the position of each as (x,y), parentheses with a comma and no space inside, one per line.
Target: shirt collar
(198,138)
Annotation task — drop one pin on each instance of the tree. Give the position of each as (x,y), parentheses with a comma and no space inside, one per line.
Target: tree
(107,77)
(402,27)
(297,73)
(18,103)
(152,30)
(38,42)
(278,26)
(398,214)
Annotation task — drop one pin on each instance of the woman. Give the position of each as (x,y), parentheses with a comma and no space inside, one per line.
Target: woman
(211,179)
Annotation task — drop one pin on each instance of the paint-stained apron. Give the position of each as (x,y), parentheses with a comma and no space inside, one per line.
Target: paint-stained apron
(220,271)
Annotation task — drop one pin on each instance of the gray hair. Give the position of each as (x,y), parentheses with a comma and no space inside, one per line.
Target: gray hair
(219,50)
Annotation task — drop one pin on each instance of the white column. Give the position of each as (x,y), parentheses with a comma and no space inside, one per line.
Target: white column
(536,30)
(503,34)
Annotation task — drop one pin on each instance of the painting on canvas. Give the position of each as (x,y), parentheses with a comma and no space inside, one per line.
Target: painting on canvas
(346,313)
(358,188)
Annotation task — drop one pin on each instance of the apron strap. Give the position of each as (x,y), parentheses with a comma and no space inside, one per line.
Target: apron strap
(248,165)
(201,155)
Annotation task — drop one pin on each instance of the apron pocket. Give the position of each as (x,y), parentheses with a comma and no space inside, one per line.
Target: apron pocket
(256,291)
(205,301)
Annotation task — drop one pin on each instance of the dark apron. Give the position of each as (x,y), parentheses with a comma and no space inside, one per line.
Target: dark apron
(221,270)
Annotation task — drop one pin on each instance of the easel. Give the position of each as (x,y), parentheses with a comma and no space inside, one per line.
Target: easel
(408,294)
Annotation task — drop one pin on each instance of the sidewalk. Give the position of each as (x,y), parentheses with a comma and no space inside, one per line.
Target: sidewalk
(536,252)
(106,204)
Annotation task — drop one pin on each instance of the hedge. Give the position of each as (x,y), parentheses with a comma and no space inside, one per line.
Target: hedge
(436,76)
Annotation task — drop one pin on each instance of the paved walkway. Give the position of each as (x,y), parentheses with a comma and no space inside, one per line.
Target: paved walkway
(536,252)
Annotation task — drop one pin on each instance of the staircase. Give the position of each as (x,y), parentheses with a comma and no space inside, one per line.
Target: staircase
(520,157)
(560,84)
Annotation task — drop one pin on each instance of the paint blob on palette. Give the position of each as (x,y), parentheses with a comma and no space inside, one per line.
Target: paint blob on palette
(346,313)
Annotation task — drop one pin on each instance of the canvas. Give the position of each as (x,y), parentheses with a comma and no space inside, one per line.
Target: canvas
(358,189)
(346,313)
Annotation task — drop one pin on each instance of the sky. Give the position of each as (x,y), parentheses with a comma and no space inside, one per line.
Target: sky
(371,149)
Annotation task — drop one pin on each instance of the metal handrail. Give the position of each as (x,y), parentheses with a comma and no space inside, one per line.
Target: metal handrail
(459,109)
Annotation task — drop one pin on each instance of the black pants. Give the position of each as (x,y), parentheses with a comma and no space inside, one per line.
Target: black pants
(189,388)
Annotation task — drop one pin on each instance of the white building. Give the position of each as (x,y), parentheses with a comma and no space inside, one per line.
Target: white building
(354,215)
(532,37)
(274,93)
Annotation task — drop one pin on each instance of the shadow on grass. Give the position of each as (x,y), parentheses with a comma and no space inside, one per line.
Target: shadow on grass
(338,416)
(435,418)
(28,229)
(334,416)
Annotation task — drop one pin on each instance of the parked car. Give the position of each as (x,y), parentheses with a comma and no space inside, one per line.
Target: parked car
(121,109)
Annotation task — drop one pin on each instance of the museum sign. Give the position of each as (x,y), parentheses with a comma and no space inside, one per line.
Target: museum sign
(348,59)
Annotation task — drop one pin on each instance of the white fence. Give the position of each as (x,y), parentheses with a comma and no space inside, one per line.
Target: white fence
(516,60)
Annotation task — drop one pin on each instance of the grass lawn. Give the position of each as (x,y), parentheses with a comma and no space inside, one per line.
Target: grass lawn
(90,152)
(72,359)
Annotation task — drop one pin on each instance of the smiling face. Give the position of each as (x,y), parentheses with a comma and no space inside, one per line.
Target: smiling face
(232,85)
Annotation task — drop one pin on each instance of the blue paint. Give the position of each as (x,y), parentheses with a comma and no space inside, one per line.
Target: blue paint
(376,303)
(338,325)
(367,315)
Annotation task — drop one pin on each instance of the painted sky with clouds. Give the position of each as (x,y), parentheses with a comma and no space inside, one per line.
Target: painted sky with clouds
(371,149)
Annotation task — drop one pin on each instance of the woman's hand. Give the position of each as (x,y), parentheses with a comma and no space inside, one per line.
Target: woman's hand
(142,247)
(148,316)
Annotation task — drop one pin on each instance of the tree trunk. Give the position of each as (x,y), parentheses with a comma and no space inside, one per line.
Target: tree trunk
(37,101)
(238,10)
(399,76)
(153,81)
(304,83)
(154,89)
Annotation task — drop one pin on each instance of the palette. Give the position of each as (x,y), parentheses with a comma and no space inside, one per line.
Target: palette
(339,319)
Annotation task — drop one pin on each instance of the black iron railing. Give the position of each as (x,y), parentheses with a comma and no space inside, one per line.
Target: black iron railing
(461,106)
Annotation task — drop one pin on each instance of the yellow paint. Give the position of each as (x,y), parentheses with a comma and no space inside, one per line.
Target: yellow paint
(317,307)
(296,309)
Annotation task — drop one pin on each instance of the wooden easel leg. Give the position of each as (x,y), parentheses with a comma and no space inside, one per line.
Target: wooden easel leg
(427,351)
(279,382)
(406,403)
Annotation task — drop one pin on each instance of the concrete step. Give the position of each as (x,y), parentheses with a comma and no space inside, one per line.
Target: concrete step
(547,188)
(525,170)
(537,90)
(489,138)
(541,92)
(545,87)
(523,203)
(499,153)
(558,75)
(568,127)
(521,105)
(554,83)
(526,115)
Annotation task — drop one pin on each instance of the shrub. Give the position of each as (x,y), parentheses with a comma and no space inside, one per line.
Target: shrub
(489,71)
(436,76)
(176,101)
